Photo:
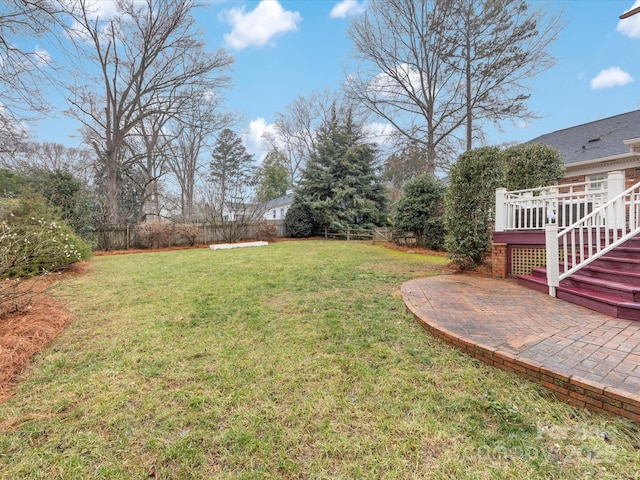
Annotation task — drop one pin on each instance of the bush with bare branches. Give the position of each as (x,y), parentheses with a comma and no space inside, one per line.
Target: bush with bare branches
(154,234)
(266,231)
(189,234)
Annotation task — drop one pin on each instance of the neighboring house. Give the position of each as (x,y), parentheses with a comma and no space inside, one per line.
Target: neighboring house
(276,209)
(235,211)
(592,150)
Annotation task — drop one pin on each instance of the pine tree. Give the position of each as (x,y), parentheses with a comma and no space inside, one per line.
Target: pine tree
(272,177)
(340,184)
(230,168)
(229,209)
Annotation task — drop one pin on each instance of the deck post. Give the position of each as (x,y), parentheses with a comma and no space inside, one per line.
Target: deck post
(553,267)
(500,210)
(615,186)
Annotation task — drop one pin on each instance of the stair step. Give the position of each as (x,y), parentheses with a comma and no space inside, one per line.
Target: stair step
(599,302)
(534,283)
(622,291)
(618,263)
(610,284)
(628,277)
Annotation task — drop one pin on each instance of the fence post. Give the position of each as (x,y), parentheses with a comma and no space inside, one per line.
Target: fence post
(500,210)
(127,241)
(348,233)
(553,267)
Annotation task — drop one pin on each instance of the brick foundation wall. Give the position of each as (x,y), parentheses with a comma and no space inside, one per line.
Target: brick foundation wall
(499,260)
(571,389)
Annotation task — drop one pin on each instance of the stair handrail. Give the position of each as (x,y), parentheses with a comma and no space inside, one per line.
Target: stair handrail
(594,235)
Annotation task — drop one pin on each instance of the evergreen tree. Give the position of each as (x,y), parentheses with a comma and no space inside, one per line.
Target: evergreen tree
(340,184)
(231,174)
(272,177)
(230,170)
(421,210)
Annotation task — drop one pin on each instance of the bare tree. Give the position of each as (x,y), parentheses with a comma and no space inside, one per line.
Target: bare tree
(193,130)
(148,59)
(51,156)
(148,147)
(500,45)
(24,68)
(432,67)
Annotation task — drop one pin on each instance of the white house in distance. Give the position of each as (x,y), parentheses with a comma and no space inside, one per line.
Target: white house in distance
(277,208)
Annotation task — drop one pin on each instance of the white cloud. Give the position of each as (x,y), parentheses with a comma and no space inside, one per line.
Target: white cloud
(260,25)
(347,8)
(379,133)
(42,56)
(630,26)
(611,77)
(393,84)
(252,138)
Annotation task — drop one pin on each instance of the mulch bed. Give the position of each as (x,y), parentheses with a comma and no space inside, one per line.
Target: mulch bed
(25,332)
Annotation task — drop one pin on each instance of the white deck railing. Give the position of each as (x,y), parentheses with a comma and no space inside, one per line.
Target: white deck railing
(599,232)
(562,205)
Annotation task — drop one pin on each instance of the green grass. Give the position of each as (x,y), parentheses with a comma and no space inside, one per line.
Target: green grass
(296,360)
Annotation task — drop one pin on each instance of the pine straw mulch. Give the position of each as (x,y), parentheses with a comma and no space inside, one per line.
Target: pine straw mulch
(26,332)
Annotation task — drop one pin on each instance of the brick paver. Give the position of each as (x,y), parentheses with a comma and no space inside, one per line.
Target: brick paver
(587,358)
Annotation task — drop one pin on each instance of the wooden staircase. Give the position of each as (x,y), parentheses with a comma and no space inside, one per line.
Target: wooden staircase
(610,284)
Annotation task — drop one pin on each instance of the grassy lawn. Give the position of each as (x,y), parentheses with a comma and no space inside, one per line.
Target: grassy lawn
(295,360)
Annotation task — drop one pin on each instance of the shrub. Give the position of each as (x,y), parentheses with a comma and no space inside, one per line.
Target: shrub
(300,220)
(420,210)
(32,242)
(266,231)
(154,234)
(190,234)
(531,165)
(469,205)
(38,246)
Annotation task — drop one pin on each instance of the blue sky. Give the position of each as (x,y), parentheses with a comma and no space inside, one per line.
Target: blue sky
(284,49)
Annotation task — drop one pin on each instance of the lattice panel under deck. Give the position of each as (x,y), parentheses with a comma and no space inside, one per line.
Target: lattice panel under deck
(525,259)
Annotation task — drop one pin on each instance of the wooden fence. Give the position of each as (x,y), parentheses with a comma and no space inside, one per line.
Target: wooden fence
(376,235)
(124,237)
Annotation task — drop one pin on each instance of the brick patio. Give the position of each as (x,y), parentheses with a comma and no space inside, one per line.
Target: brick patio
(586,358)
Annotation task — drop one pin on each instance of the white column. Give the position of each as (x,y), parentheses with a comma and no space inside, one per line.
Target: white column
(553,267)
(615,186)
(501,210)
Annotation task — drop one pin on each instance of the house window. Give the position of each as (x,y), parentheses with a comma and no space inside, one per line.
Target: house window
(597,182)
(274,214)
(282,213)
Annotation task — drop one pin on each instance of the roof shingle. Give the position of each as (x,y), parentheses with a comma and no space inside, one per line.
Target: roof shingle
(594,140)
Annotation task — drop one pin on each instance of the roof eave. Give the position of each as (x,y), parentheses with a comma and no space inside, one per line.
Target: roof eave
(611,158)
(633,144)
